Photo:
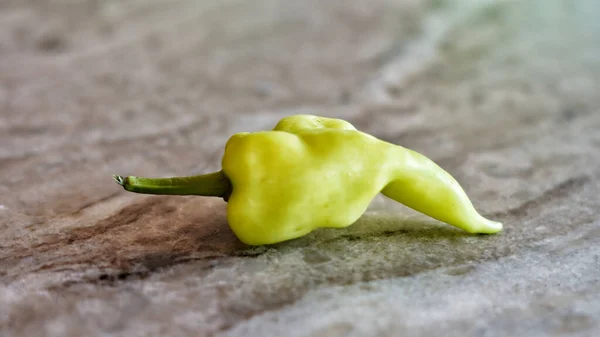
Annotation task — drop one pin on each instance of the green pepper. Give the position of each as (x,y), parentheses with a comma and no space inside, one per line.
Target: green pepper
(311,172)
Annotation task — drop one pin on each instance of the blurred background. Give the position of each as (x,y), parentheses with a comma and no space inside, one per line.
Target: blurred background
(503,94)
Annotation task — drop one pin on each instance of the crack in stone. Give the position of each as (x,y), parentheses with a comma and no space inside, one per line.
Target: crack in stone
(561,190)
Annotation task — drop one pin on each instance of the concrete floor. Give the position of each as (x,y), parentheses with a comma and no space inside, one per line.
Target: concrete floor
(502,94)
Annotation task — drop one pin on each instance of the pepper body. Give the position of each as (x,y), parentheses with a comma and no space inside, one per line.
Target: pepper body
(285,185)
(311,172)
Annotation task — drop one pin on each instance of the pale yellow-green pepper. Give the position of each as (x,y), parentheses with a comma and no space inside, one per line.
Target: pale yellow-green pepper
(311,172)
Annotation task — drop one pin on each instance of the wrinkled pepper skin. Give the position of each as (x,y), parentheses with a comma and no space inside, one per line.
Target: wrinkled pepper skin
(311,172)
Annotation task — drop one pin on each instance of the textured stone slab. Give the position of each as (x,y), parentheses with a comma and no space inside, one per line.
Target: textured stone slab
(503,94)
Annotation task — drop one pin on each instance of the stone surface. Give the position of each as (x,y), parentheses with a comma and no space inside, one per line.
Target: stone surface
(503,94)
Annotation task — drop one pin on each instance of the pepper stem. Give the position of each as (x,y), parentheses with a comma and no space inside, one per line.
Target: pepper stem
(214,184)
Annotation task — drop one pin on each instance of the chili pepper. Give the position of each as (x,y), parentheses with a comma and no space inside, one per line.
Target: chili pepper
(311,172)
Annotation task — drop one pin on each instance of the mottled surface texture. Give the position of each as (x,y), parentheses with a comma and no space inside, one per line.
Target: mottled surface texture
(502,94)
